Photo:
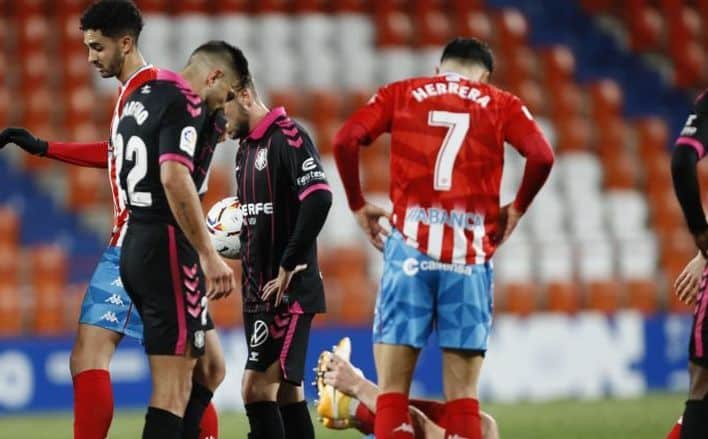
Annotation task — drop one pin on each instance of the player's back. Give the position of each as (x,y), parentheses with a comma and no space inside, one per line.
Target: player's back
(164,120)
(447,155)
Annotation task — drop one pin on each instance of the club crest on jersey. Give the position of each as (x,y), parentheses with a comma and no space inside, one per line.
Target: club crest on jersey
(261,159)
(188,140)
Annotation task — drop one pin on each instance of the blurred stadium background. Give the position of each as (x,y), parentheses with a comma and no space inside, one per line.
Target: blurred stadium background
(583,301)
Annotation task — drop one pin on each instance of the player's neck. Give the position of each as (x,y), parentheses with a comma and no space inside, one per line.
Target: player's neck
(133,63)
(257,113)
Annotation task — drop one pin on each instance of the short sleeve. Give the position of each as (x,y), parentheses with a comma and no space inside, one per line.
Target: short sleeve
(179,130)
(518,123)
(695,132)
(301,161)
(376,116)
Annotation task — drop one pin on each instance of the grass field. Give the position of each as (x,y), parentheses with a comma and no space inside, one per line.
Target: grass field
(649,417)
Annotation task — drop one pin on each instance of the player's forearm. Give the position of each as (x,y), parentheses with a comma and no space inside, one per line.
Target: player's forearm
(539,161)
(366,393)
(185,206)
(310,219)
(93,155)
(685,177)
(346,154)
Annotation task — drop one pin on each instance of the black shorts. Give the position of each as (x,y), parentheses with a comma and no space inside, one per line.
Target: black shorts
(281,337)
(161,273)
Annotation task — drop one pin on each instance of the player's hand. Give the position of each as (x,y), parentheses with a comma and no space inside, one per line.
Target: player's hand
(701,240)
(423,426)
(343,376)
(219,277)
(280,284)
(509,217)
(368,219)
(687,283)
(24,139)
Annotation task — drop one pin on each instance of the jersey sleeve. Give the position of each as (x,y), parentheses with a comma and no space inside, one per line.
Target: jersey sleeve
(375,117)
(179,131)
(301,161)
(695,133)
(518,124)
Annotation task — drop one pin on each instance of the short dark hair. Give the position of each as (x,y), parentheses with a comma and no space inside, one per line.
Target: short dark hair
(470,50)
(232,56)
(114,18)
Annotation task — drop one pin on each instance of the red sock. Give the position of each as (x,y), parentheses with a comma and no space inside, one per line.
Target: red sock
(675,432)
(210,423)
(432,409)
(365,419)
(93,404)
(392,418)
(462,419)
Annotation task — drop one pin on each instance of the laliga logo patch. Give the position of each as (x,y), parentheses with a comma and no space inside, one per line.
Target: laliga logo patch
(410,267)
(188,140)
(260,333)
(261,159)
(199,339)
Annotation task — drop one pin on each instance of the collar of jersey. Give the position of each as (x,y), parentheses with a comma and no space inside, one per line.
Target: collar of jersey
(453,74)
(260,129)
(134,74)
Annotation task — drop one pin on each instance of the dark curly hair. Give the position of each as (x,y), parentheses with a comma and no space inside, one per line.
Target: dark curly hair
(114,18)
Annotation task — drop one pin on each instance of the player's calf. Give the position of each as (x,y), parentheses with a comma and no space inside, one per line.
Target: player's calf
(294,412)
(260,393)
(695,415)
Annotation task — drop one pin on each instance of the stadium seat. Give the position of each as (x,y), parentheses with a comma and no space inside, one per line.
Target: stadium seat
(574,133)
(49,267)
(394,28)
(83,183)
(642,295)
(646,27)
(9,227)
(396,63)
(604,296)
(621,171)
(563,297)
(11,310)
(48,317)
(10,258)
(626,212)
(512,29)
(433,28)
(199,28)
(33,30)
(517,298)
(473,23)
(690,65)
(606,98)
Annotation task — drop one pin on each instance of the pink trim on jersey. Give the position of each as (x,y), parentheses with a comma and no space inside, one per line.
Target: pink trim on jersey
(295,311)
(694,143)
(266,122)
(313,188)
(172,157)
(181,344)
(169,75)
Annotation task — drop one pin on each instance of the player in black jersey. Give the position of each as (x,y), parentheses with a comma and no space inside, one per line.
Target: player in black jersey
(164,141)
(690,148)
(285,199)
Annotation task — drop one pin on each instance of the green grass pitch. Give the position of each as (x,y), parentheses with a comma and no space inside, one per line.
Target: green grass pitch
(650,417)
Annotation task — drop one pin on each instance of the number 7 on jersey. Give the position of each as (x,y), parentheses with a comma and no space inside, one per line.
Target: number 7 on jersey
(457,125)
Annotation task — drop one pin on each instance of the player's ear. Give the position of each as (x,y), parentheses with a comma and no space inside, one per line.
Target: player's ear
(486,76)
(214,76)
(126,44)
(244,96)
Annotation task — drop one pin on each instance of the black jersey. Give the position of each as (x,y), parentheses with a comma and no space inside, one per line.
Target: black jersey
(277,166)
(695,132)
(163,120)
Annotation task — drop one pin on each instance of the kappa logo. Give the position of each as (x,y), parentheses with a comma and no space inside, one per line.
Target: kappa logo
(110,316)
(405,428)
(260,333)
(261,159)
(118,282)
(115,300)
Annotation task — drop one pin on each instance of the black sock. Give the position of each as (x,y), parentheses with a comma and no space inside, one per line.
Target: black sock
(198,402)
(161,424)
(694,424)
(265,420)
(297,422)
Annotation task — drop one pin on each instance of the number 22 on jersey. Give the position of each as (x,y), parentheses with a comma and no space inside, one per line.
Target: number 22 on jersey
(136,152)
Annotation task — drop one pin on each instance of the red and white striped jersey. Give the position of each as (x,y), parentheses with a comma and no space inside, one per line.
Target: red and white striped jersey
(120,213)
(447,155)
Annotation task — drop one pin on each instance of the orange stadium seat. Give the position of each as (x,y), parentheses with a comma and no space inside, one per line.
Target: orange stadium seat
(5,115)
(433,28)
(559,65)
(562,297)
(148,6)
(472,22)
(71,37)
(531,93)
(11,315)
(10,258)
(520,298)
(324,106)
(35,69)
(604,296)
(512,29)
(646,28)
(9,227)
(519,65)
(606,98)
(690,61)
(231,6)
(38,104)
(355,99)
(48,308)
(292,101)
(76,70)
(574,133)
(191,6)
(394,28)
(621,170)
(49,267)
(642,295)
(83,183)
(610,135)
(684,23)
(33,32)
(325,131)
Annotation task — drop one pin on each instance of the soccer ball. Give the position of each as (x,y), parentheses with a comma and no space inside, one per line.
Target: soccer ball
(224,222)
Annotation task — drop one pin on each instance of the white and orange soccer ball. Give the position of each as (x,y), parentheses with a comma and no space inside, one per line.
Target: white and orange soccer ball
(224,222)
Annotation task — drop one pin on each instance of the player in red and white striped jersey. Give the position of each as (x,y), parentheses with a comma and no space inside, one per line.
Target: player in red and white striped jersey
(111,29)
(447,152)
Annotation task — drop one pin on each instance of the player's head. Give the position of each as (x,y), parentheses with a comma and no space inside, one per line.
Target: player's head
(111,30)
(469,57)
(219,66)
(239,110)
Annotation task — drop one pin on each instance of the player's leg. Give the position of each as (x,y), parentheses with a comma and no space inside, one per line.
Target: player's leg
(463,336)
(695,416)
(171,386)
(259,390)
(294,412)
(208,375)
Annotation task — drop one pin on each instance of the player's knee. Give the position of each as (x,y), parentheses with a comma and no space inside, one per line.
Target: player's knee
(84,358)
(210,374)
(254,389)
(172,396)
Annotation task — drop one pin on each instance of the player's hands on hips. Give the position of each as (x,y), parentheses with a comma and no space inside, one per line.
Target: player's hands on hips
(343,376)
(219,277)
(687,283)
(24,139)
(277,287)
(509,217)
(368,219)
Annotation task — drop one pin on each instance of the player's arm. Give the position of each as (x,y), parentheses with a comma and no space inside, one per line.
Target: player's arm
(177,145)
(303,167)
(93,155)
(689,149)
(524,134)
(363,127)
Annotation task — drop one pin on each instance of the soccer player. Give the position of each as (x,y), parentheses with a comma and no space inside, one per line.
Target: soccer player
(285,199)
(111,30)
(689,149)
(447,150)
(165,140)
(347,399)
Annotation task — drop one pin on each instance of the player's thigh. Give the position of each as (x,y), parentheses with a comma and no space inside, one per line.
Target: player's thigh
(395,365)
(261,385)
(171,381)
(461,370)
(464,307)
(211,367)
(289,393)
(93,348)
(698,381)
(405,304)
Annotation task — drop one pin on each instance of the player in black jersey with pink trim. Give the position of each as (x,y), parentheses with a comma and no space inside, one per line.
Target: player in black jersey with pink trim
(690,148)
(285,199)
